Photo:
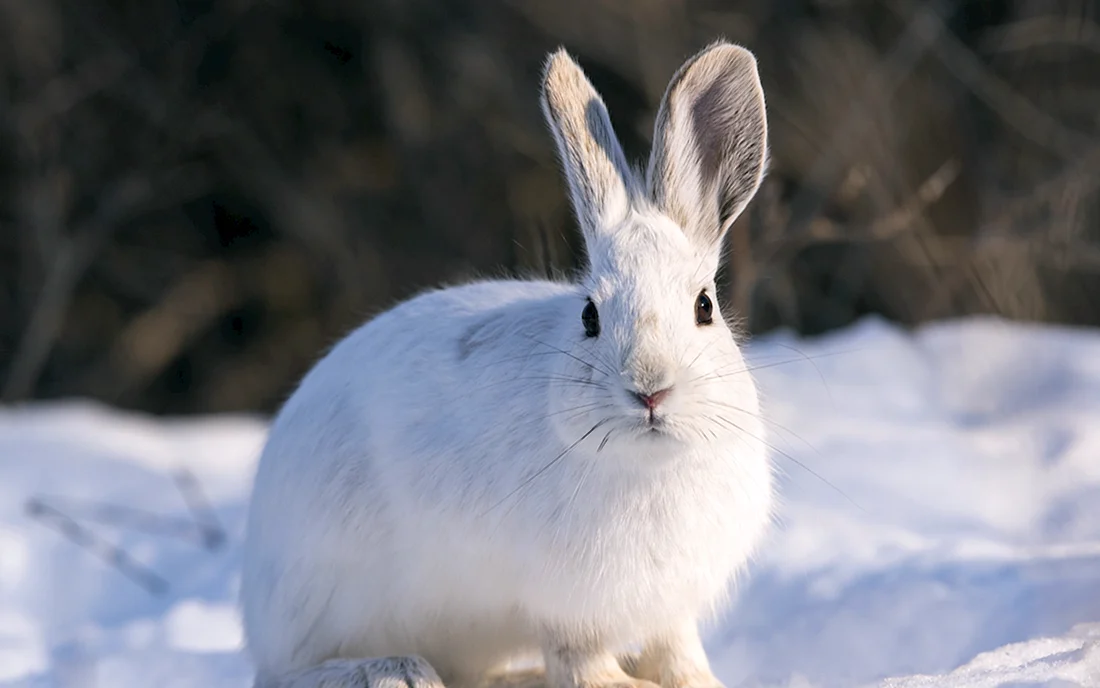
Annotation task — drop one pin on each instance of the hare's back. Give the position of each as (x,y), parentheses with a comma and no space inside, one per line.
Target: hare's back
(445,345)
(445,379)
(449,321)
(436,376)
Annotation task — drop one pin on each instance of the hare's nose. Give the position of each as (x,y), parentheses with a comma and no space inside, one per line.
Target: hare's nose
(650,401)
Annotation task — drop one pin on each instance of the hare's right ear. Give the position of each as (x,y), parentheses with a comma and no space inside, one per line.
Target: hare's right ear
(709,143)
(600,181)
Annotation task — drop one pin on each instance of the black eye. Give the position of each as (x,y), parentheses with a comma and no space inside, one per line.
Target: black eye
(591,319)
(704,309)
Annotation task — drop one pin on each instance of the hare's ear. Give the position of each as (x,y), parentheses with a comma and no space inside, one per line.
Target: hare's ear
(596,171)
(710,142)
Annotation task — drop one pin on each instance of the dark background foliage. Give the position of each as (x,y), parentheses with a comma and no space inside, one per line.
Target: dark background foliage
(198,197)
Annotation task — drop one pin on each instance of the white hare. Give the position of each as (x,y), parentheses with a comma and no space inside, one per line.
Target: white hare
(511,467)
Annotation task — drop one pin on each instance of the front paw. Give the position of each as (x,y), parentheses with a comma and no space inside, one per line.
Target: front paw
(536,678)
(648,672)
(633,664)
(706,680)
(623,681)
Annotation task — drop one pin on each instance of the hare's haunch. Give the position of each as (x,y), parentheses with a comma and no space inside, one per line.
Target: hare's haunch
(509,468)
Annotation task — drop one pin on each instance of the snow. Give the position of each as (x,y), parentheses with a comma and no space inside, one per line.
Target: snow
(940,524)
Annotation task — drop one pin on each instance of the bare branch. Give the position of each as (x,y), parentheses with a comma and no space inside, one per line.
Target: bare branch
(1016,110)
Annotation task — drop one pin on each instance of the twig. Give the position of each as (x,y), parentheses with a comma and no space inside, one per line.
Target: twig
(201,510)
(112,554)
(1017,111)
(63,93)
(921,32)
(129,198)
(202,529)
(155,337)
(1034,32)
(885,228)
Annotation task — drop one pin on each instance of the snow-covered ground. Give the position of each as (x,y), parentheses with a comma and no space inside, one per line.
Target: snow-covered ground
(940,526)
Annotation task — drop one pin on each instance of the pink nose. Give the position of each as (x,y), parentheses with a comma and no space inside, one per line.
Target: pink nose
(650,401)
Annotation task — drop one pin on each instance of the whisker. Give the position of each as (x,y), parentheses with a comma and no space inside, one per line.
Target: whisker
(491,364)
(575,416)
(766,419)
(548,466)
(808,359)
(762,366)
(582,407)
(603,442)
(736,367)
(580,382)
(769,445)
(697,357)
(600,356)
(574,411)
(720,369)
(575,358)
(577,488)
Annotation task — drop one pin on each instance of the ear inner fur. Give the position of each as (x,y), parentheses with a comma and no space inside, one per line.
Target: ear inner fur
(710,142)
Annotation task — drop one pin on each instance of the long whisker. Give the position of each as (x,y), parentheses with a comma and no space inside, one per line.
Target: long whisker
(696,359)
(496,362)
(565,381)
(805,357)
(748,369)
(769,445)
(578,414)
(577,489)
(582,407)
(547,467)
(574,413)
(545,378)
(735,367)
(575,358)
(603,442)
(600,356)
(766,419)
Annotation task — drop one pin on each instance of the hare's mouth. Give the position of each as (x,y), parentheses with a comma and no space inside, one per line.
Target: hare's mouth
(656,436)
(653,425)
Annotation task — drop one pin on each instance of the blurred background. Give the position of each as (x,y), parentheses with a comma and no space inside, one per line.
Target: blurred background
(198,197)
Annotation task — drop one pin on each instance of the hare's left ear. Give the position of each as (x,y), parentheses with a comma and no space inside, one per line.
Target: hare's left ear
(600,181)
(710,143)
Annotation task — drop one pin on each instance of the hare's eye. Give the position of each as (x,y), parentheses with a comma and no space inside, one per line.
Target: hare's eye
(704,309)
(591,319)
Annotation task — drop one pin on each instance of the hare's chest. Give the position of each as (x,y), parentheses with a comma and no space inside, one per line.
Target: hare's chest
(641,558)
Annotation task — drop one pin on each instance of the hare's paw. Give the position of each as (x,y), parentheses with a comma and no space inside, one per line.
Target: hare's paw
(526,678)
(383,672)
(628,682)
(409,671)
(641,667)
(706,680)
(616,681)
(645,668)
(674,659)
(536,678)
(573,664)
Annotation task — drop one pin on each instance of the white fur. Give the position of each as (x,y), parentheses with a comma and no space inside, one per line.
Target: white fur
(426,491)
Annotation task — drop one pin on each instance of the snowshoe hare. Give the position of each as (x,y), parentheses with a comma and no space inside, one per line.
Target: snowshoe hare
(516,467)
